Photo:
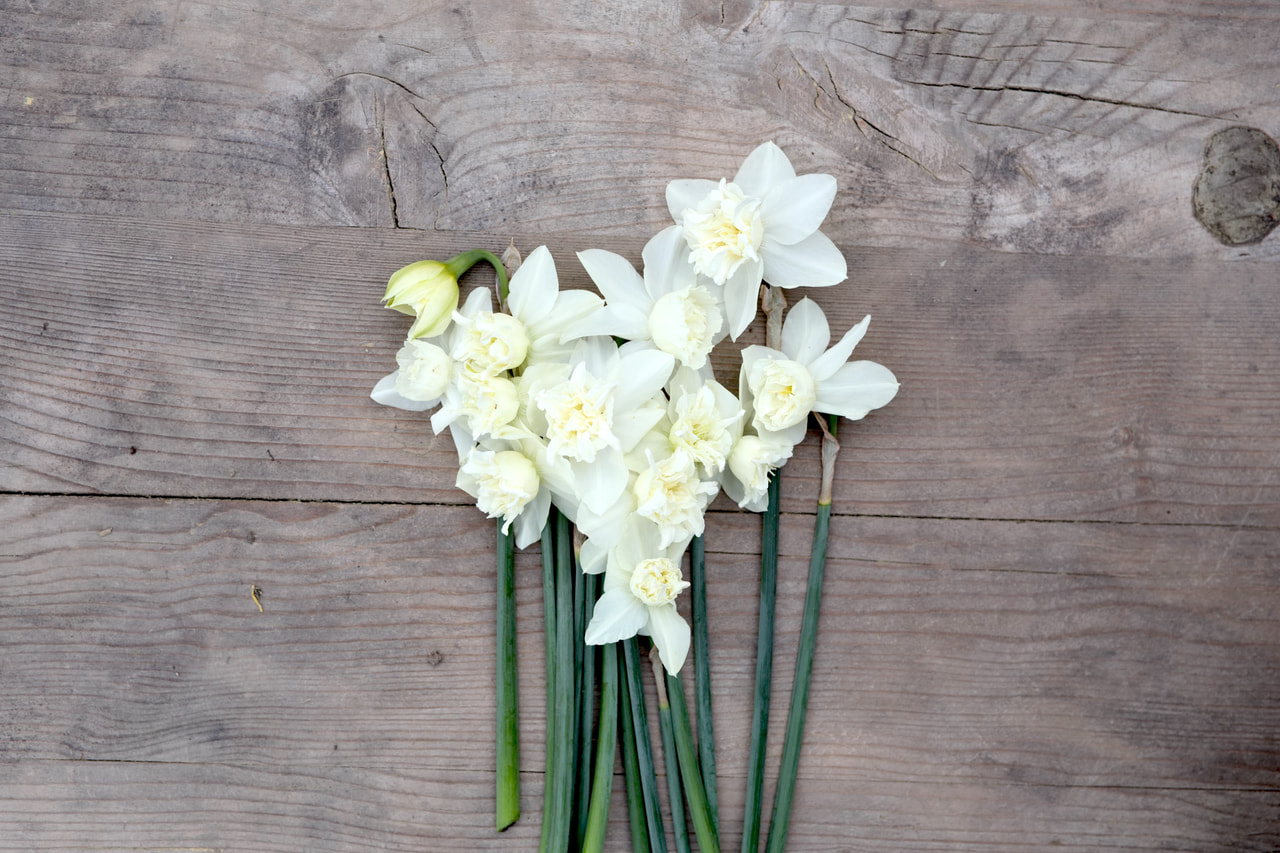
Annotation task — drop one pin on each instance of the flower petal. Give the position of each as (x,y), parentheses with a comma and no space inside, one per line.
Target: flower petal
(532,518)
(742,296)
(855,389)
(621,321)
(671,635)
(615,278)
(795,209)
(684,193)
(384,392)
(601,482)
(805,333)
(764,169)
(813,262)
(618,615)
(832,360)
(534,286)
(641,374)
(666,263)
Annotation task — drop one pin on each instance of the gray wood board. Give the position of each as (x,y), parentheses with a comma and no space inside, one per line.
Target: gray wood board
(981,684)
(1035,127)
(227,360)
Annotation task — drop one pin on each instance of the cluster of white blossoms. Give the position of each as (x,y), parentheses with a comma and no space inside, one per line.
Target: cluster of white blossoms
(607,405)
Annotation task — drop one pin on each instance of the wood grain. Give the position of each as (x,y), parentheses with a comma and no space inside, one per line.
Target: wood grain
(235,361)
(1036,127)
(1084,673)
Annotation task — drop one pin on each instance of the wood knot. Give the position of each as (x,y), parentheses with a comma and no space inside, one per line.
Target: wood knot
(1236,196)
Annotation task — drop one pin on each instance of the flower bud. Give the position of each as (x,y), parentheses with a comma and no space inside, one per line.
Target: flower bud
(429,291)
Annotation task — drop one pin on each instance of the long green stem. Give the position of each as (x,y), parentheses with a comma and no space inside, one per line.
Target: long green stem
(702,675)
(644,746)
(565,718)
(549,630)
(602,781)
(794,737)
(588,584)
(675,791)
(507,810)
(703,828)
(631,773)
(764,669)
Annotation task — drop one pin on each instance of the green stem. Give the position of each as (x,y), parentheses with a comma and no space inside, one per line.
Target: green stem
(644,746)
(764,668)
(602,781)
(703,827)
(588,584)
(549,630)
(565,718)
(794,737)
(507,809)
(702,675)
(631,773)
(464,261)
(675,792)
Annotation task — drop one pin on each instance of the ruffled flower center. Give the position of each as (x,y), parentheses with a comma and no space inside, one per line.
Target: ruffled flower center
(579,414)
(685,323)
(784,392)
(506,481)
(657,581)
(723,231)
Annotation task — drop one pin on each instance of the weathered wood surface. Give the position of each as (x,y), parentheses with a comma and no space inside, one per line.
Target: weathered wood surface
(1043,127)
(1052,609)
(235,361)
(990,663)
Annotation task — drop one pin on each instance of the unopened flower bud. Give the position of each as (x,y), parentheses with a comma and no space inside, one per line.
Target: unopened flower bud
(429,291)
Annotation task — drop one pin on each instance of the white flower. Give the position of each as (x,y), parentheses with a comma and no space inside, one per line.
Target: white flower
(595,409)
(641,584)
(706,419)
(488,342)
(670,494)
(780,388)
(750,464)
(420,380)
(488,405)
(783,390)
(503,482)
(668,306)
(543,310)
(762,225)
(579,414)
(424,371)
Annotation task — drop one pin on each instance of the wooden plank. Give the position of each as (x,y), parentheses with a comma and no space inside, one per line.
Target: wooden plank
(1115,683)
(1040,127)
(235,361)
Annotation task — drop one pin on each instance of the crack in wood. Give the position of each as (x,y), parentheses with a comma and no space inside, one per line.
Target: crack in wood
(1115,102)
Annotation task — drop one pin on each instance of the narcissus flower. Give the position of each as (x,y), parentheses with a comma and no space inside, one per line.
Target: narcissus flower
(641,584)
(429,291)
(762,225)
(669,306)
(780,388)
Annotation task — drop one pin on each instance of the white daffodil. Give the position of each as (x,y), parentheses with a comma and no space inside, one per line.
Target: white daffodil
(706,419)
(543,310)
(420,380)
(595,409)
(780,388)
(762,225)
(670,494)
(641,584)
(669,306)
(486,404)
(751,463)
(514,481)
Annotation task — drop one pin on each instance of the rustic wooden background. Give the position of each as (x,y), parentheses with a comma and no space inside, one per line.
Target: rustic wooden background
(1053,598)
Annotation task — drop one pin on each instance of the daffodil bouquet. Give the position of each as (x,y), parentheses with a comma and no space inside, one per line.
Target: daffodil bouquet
(593,423)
